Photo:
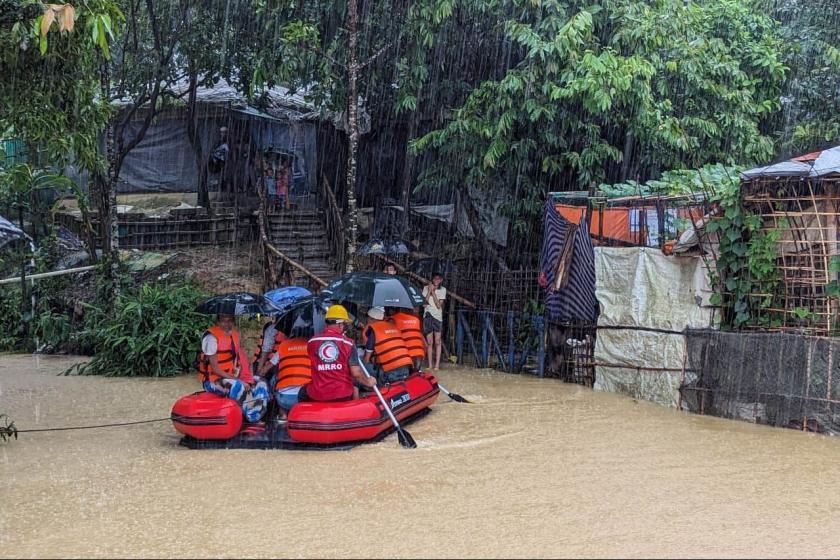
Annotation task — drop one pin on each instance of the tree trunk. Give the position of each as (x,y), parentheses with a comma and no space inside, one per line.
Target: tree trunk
(352,133)
(475,223)
(195,140)
(107,187)
(627,156)
(408,174)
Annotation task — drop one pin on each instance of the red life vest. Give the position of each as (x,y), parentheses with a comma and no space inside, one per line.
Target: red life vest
(295,367)
(278,338)
(226,353)
(411,328)
(389,348)
(329,353)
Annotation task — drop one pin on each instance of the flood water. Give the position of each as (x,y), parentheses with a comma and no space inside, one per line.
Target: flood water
(532,469)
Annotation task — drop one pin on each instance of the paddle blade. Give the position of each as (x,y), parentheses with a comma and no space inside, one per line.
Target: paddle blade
(458,398)
(405,439)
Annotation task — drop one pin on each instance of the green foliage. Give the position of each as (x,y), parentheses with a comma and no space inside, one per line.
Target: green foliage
(687,84)
(7,428)
(746,279)
(152,331)
(707,179)
(48,96)
(524,327)
(12,321)
(811,96)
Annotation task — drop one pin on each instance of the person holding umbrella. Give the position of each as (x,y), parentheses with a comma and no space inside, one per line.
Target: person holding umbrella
(224,369)
(335,364)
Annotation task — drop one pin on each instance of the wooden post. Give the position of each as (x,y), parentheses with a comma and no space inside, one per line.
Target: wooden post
(540,324)
(682,373)
(511,341)
(485,351)
(459,337)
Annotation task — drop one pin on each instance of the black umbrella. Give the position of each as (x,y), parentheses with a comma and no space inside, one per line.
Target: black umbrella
(304,317)
(374,288)
(429,265)
(384,246)
(237,303)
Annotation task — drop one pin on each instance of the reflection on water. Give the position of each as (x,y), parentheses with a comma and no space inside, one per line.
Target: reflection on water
(532,469)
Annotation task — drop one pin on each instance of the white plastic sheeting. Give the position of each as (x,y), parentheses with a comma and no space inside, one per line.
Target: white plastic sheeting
(641,287)
(826,163)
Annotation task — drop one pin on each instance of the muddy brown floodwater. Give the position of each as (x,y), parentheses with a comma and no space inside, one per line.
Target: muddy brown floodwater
(535,468)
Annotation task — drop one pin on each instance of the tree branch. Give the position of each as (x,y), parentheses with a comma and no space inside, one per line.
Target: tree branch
(375,55)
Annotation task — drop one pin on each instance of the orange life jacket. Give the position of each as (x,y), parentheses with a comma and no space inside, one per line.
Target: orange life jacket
(278,338)
(227,350)
(390,349)
(295,367)
(411,329)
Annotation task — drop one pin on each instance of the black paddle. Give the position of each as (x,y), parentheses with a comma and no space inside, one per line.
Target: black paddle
(454,396)
(405,438)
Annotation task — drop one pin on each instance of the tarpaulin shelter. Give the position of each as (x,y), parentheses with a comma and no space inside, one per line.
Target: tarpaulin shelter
(647,300)
(165,160)
(646,221)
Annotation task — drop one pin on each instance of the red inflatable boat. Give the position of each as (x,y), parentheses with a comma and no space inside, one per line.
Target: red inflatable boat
(210,421)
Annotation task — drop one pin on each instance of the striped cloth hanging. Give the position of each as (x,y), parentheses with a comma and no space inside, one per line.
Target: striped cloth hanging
(10,232)
(576,302)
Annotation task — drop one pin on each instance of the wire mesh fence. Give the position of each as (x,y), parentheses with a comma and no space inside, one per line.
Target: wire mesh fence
(779,379)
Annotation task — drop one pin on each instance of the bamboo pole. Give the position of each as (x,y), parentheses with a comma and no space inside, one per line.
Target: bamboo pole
(419,278)
(295,264)
(48,274)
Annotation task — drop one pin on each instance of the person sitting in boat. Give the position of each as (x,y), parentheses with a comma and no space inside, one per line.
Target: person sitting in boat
(224,369)
(335,364)
(385,347)
(293,367)
(270,338)
(411,328)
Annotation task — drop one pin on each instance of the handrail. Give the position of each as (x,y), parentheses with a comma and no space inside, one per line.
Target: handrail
(334,224)
(277,252)
(294,263)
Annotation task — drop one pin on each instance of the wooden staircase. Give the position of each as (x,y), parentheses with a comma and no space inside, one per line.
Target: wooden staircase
(300,234)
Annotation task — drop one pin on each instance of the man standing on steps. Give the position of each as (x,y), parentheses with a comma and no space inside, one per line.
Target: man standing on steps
(433,295)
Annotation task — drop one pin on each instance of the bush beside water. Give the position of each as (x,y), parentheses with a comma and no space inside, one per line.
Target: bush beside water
(150,330)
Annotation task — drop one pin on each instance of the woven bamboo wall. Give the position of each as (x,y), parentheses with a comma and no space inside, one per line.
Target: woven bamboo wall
(805,212)
(165,233)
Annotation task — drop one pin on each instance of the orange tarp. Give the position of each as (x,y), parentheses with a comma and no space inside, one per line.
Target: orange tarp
(616,222)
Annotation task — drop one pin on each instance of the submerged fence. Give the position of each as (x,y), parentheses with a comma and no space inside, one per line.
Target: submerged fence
(778,379)
(786,380)
(524,343)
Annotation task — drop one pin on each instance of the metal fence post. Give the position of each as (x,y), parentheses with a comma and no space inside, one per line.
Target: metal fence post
(511,341)
(540,324)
